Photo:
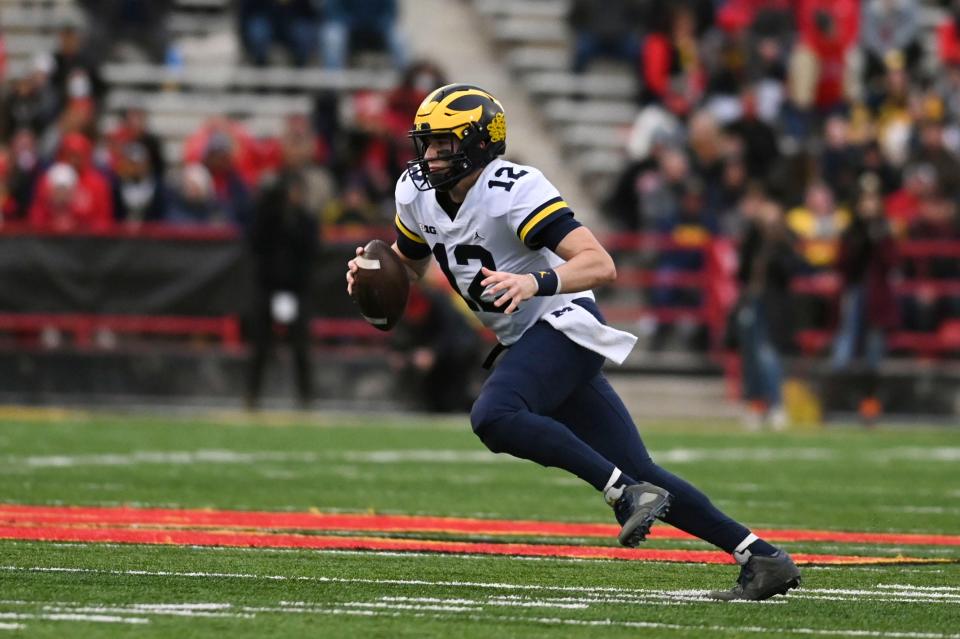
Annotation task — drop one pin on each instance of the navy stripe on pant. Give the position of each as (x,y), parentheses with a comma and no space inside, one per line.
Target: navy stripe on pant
(548,402)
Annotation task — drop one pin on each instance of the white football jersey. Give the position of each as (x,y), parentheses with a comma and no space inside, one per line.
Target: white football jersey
(496,227)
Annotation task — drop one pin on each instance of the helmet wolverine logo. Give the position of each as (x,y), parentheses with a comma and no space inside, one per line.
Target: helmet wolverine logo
(473,127)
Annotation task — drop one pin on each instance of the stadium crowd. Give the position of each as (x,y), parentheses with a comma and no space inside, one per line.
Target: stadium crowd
(65,166)
(823,117)
(819,135)
(826,122)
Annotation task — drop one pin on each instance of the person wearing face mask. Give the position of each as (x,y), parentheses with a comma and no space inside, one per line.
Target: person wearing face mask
(23,173)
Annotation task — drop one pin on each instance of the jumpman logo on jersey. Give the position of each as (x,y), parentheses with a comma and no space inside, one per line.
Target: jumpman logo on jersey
(477,237)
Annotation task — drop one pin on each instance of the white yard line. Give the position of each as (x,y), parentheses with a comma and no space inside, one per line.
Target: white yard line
(54,616)
(457,608)
(682,455)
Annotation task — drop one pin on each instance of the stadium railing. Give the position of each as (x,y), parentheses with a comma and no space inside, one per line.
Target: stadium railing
(709,287)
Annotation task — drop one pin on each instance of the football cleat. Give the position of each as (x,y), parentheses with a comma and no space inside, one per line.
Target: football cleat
(637,508)
(761,578)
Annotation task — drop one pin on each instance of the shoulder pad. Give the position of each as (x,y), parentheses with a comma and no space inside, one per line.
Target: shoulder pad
(406,192)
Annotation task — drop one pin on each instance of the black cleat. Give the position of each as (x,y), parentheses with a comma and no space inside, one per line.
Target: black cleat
(636,509)
(761,578)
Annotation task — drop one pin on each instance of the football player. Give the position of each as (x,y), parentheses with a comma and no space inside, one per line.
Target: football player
(510,246)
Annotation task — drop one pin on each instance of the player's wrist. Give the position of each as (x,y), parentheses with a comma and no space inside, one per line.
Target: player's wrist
(548,282)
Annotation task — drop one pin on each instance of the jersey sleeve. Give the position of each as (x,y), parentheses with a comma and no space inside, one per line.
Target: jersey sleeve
(537,211)
(409,241)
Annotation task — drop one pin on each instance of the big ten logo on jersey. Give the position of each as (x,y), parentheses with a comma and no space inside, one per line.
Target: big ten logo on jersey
(426,228)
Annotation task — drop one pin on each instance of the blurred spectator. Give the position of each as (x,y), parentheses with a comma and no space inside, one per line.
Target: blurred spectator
(301,151)
(419,79)
(767,68)
(932,150)
(433,346)
(284,243)
(759,140)
(133,128)
(671,69)
(889,26)
(891,112)
(766,264)
(78,118)
(690,229)
(948,89)
(868,305)
(838,157)
(291,23)
(76,73)
(733,187)
(708,150)
(8,205)
(3,56)
(937,220)
(647,193)
(872,161)
(865,262)
(138,194)
(818,62)
(829,29)
(29,103)
(140,23)
(903,206)
(604,28)
(246,154)
(194,201)
(230,191)
(62,205)
(23,173)
(356,25)
(818,223)
(948,36)
(75,197)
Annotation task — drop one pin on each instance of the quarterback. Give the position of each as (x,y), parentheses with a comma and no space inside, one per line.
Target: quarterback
(509,244)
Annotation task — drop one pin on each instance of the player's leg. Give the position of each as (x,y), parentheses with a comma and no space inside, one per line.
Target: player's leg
(533,378)
(597,415)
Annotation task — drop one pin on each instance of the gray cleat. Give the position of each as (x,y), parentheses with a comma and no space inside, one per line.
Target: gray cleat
(761,578)
(637,508)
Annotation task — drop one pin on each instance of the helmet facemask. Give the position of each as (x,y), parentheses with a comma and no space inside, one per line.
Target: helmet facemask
(461,159)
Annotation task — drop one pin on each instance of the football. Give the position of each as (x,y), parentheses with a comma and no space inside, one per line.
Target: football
(380,285)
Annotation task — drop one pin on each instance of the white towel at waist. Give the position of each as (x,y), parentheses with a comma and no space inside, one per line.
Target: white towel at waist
(584,329)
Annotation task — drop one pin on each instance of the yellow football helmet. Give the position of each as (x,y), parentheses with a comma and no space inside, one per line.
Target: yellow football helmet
(473,118)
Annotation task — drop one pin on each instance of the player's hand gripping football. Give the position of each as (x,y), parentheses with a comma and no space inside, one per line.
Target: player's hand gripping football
(508,288)
(351,269)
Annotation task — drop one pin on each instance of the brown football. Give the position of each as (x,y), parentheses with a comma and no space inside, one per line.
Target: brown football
(380,285)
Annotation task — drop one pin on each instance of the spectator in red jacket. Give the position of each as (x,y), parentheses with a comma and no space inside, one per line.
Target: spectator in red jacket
(671,69)
(829,29)
(91,204)
(948,36)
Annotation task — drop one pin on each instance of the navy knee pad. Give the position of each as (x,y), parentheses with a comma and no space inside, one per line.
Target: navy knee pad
(489,418)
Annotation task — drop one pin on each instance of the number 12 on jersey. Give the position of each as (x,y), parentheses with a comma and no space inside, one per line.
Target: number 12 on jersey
(464,254)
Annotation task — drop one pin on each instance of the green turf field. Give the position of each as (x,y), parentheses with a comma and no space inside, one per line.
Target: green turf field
(903,480)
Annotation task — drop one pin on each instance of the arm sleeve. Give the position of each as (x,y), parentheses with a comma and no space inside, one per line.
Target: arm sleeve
(409,241)
(536,206)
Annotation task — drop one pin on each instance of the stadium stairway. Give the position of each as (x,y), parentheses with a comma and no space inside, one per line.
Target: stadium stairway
(590,114)
(453,35)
